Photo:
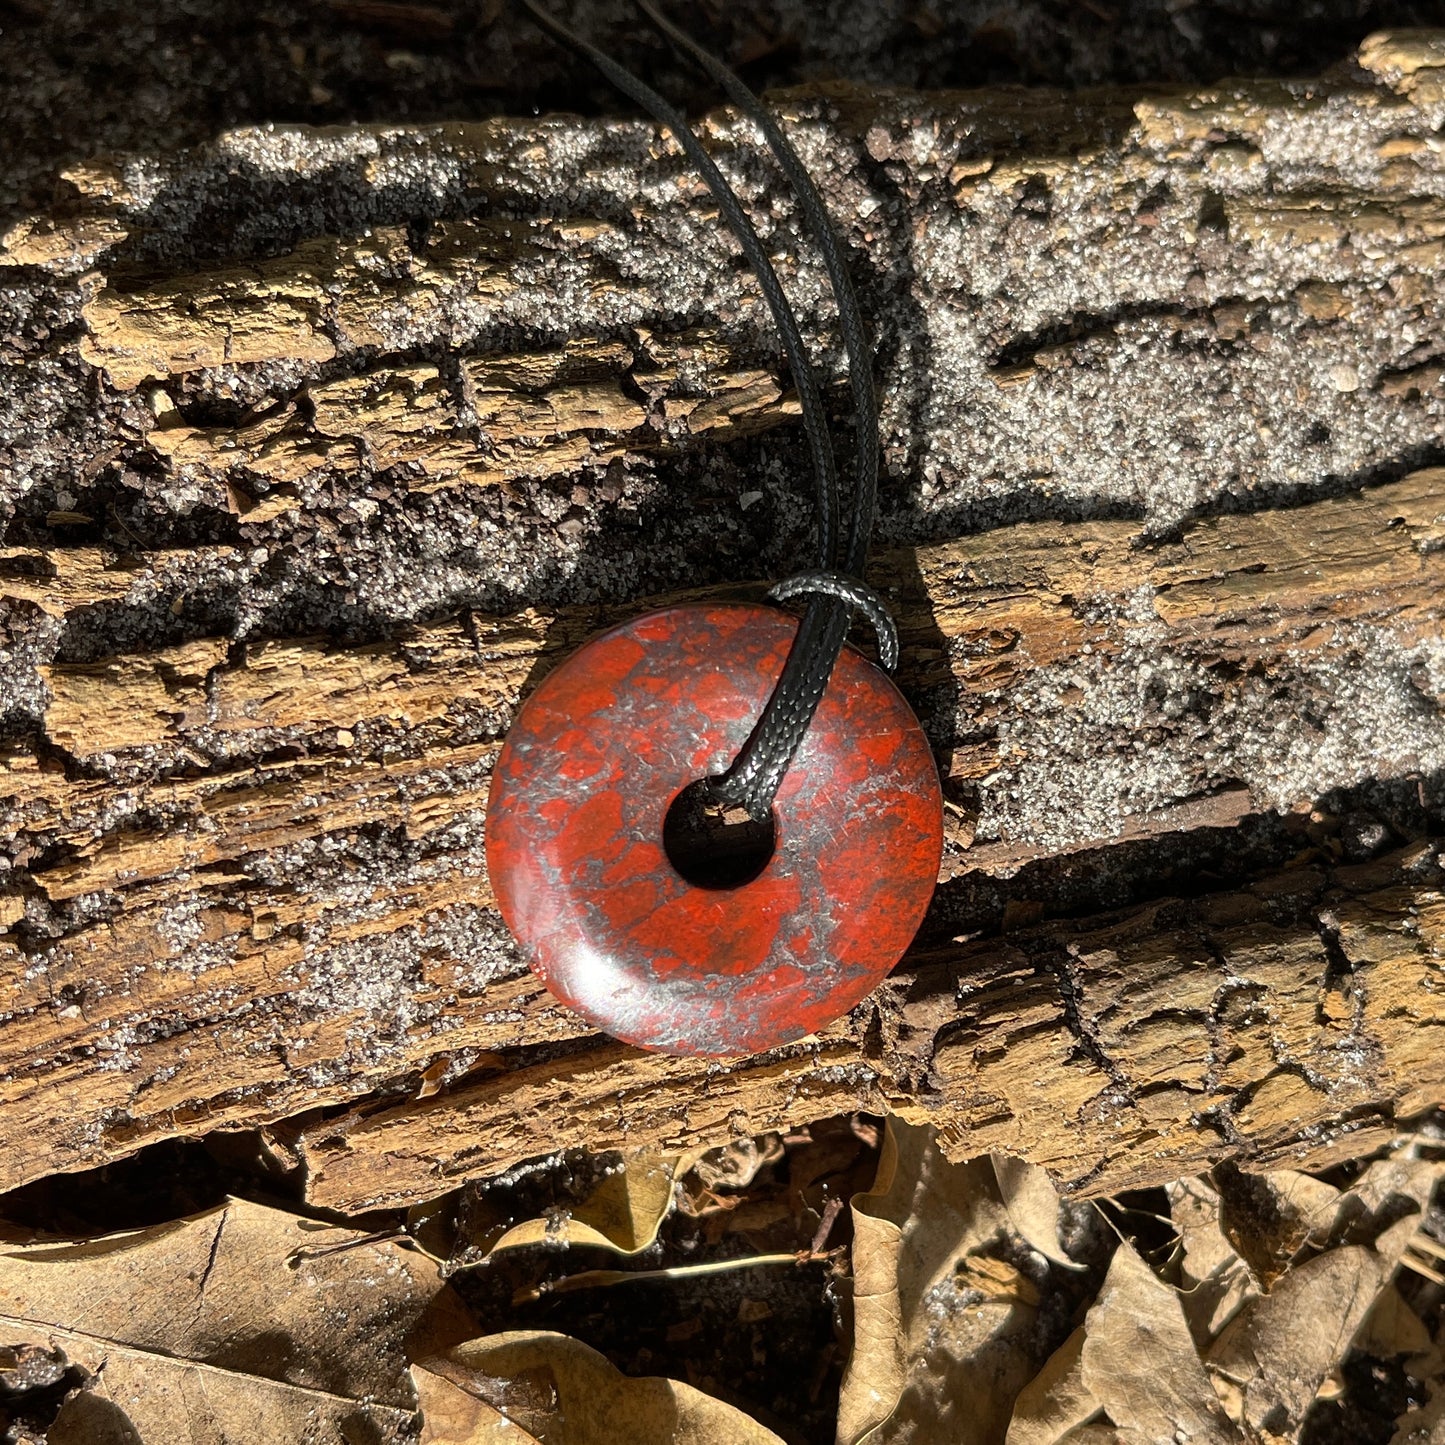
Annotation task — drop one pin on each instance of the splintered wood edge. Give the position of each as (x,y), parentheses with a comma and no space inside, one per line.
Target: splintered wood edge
(200,997)
(1290,1024)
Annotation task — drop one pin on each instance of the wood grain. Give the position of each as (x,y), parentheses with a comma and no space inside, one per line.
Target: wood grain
(246,878)
(200,966)
(1292,1023)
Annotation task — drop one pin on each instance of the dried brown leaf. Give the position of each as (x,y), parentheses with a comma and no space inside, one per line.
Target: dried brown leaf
(160,1400)
(222,1288)
(1402,1236)
(208,1328)
(1279,1348)
(1033,1205)
(559,1390)
(454,1416)
(934,1357)
(1139,1361)
(1276,1217)
(622,1214)
(1056,1401)
(88,1418)
(877,1364)
(1301,1195)
(1291,1212)
(1392,1327)
(1388,1191)
(1216,1280)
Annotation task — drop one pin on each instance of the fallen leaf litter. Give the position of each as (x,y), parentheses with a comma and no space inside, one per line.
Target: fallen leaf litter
(972,1303)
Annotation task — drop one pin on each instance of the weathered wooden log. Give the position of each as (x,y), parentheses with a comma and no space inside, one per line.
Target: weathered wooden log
(245,858)
(211,967)
(1295,1022)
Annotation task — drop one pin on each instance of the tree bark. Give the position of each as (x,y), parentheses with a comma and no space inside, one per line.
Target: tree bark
(314,513)
(1293,1024)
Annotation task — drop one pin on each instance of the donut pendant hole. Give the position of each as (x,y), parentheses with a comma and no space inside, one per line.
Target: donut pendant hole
(713,845)
(670,922)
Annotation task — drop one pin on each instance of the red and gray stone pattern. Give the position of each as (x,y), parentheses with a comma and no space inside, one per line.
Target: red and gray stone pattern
(575,836)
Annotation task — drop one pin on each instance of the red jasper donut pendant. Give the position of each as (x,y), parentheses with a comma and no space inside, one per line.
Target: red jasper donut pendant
(575,849)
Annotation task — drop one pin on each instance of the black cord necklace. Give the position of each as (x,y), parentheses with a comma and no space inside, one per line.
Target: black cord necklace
(587,914)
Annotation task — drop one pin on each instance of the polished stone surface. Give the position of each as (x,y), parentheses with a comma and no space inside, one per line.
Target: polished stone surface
(575,848)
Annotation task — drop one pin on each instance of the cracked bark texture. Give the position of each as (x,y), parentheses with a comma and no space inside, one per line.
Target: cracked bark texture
(1294,1021)
(318,444)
